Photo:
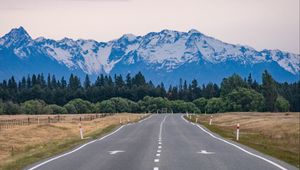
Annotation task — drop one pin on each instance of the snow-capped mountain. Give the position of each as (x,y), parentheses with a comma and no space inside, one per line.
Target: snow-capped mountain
(162,56)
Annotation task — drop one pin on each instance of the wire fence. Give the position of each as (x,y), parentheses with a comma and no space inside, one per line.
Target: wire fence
(41,120)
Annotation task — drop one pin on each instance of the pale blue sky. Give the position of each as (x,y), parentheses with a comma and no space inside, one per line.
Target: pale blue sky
(271,24)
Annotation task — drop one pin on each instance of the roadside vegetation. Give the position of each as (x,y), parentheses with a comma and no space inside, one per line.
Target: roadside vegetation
(24,145)
(275,134)
(35,95)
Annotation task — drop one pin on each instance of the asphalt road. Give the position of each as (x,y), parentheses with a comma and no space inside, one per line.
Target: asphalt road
(161,142)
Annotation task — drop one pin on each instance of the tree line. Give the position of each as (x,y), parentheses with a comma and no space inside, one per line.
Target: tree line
(37,95)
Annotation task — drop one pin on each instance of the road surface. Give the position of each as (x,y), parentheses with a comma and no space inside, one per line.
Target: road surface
(161,142)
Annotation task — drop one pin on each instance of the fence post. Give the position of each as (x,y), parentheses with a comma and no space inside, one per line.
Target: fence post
(237,131)
(80,130)
(28,121)
(12,151)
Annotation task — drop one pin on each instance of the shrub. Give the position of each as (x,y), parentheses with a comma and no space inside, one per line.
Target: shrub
(201,104)
(215,105)
(242,99)
(33,107)
(107,106)
(10,108)
(81,106)
(282,105)
(180,106)
(70,108)
(55,109)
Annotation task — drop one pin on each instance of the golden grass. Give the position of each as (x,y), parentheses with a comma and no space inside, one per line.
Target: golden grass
(65,117)
(276,134)
(19,142)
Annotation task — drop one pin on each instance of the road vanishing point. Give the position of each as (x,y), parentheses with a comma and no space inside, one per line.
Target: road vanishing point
(161,142)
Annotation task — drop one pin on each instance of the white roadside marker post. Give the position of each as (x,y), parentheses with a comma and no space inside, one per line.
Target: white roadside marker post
(237,131)
(196,120)
(81,132)
(128,119)
(120,121)
(210,120)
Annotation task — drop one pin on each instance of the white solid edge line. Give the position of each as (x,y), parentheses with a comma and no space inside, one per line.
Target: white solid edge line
(240,148)
(68,153)
(57,157)
(184,119)
(145,119)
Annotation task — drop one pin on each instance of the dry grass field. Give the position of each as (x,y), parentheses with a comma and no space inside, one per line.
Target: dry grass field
(22,145)
(276,134)
(18,117)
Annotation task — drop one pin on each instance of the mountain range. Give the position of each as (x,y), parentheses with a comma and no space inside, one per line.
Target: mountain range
(164,56)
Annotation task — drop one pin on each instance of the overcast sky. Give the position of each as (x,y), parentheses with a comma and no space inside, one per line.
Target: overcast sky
(271,24)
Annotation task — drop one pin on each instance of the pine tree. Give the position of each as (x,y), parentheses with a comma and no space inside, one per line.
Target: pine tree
(87,82)
(63,83)
(28,82)
(23,83)
(269,91)
(128,81)
(250,80)
(53,82)
(49,81)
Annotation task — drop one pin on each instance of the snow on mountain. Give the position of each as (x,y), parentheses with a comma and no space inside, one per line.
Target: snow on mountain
(166,50)
(288,61)
(15,38)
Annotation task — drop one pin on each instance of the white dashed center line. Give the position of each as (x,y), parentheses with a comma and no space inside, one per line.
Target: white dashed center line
(159,143)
